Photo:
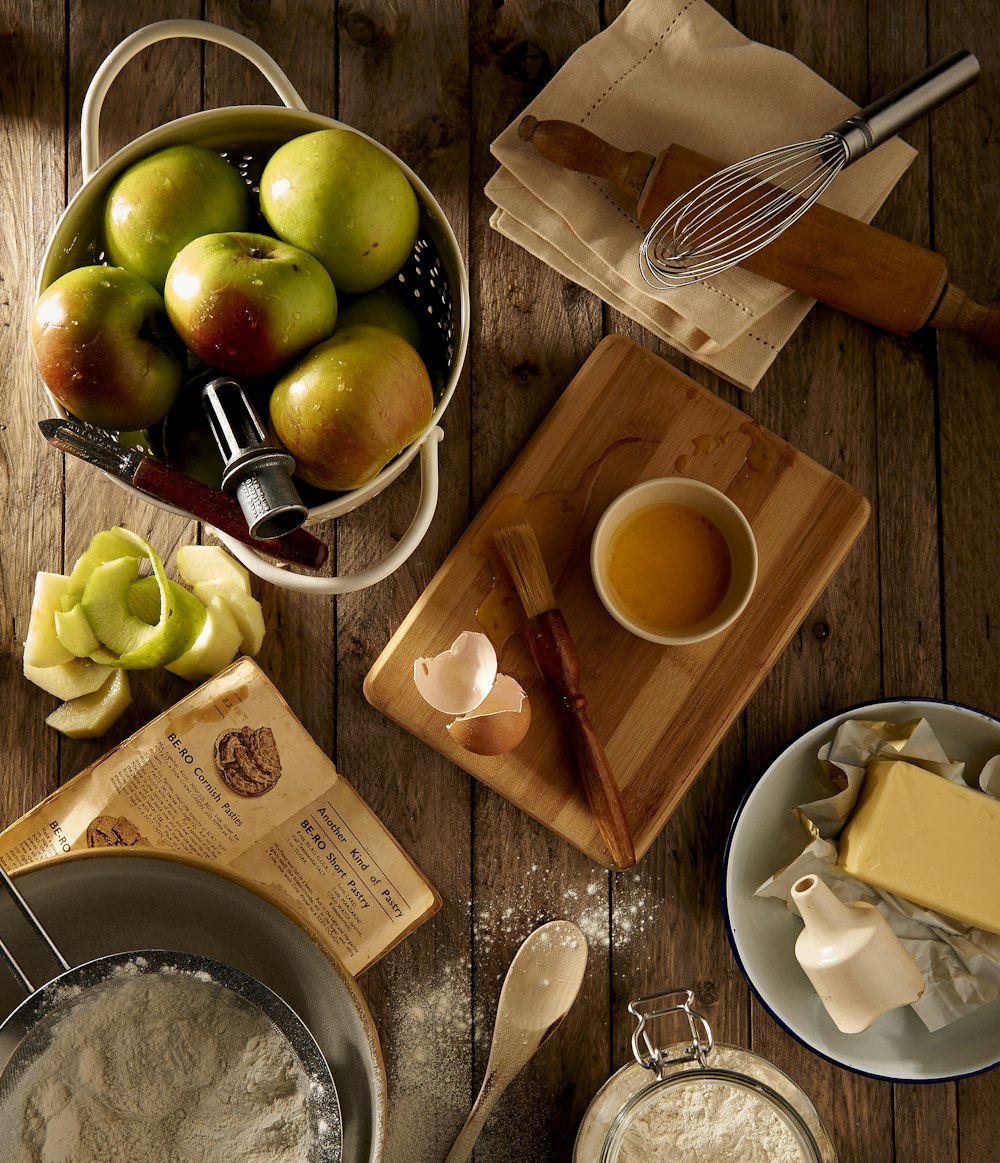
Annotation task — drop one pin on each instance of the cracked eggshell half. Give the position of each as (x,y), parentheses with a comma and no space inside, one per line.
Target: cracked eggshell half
(498,724)
(492,711)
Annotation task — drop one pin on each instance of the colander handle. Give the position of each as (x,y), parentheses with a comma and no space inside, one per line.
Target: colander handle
(349,583)
(116,60)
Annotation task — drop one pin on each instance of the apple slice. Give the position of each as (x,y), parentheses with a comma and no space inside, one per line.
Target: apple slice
(201,563)
(129,640)
(41,644)
(246,610)
(215,647)
(104,546)
(75,632)
(91,715)
(69,680)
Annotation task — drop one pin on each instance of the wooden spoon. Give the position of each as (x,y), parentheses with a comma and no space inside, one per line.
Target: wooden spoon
(537,993)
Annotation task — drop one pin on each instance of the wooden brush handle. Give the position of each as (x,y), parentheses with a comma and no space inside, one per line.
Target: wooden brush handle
(558,663)
(856,268)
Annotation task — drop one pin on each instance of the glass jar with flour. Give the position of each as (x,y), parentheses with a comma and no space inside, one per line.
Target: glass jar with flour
(698,1101)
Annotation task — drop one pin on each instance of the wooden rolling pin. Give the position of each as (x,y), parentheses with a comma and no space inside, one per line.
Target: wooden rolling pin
(847,264)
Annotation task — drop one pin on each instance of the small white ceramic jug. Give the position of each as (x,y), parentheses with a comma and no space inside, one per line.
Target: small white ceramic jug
(852,957)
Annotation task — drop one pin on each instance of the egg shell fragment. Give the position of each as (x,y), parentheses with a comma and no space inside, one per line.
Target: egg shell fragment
(498,724)
(457,680)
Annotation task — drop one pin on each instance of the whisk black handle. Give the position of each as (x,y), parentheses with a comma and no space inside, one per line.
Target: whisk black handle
(888,115)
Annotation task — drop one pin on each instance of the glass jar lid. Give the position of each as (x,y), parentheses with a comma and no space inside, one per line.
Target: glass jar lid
(697,1101)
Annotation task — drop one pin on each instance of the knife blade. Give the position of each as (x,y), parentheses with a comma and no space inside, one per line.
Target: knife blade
(158,480)
(856,268)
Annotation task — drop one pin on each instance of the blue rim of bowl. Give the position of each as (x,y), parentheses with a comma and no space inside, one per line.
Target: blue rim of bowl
(837,715)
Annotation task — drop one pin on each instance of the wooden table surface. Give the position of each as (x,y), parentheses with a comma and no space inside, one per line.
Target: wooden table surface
(914,424)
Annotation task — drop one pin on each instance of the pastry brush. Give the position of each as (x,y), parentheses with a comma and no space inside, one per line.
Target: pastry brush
(555,656)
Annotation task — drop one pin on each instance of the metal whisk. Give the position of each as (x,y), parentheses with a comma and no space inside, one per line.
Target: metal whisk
(738,211)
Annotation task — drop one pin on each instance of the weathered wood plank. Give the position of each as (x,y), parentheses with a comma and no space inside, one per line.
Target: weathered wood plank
(965,182)
(33,104)
(822,378)
(535,330)
(403,79)
(909,579)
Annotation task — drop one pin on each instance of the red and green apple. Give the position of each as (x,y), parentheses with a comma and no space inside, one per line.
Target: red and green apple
(350,405)
(105,348)
(247,303)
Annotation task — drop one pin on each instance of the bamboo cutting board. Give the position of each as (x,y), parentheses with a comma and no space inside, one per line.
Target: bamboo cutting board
(660,710)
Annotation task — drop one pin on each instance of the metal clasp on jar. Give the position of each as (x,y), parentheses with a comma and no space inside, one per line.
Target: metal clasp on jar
(660,1005)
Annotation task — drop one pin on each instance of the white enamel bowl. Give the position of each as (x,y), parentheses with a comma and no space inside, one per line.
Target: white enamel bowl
(433,280)
(765,837)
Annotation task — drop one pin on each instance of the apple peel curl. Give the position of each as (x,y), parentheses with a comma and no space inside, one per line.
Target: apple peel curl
(105,583)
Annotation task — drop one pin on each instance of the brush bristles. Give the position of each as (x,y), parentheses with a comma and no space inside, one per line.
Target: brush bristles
(519,548)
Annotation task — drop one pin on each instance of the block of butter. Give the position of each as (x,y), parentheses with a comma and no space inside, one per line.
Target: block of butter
(927,839)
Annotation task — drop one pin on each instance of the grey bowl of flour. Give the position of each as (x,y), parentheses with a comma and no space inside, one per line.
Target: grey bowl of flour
(171,1054)
(107,901)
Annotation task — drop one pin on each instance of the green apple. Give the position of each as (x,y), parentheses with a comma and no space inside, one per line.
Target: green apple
(164,201)
(91,715)
(104,546)
(214,648)
(42,646)
(383,308)
(189,444)
(69,680)
(105,349)
(344,199)
(202,563)
(247,303)
(350,405)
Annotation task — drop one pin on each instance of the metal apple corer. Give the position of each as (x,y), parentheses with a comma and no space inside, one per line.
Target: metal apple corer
(433,281)
(28,1031)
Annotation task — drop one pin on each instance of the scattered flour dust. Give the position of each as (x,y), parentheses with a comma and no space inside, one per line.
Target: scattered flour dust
(433,1027)
(163,1067)
(706,1120)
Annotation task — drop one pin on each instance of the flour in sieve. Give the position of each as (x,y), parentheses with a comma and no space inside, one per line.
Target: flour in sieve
(700,1121)
(163,1067)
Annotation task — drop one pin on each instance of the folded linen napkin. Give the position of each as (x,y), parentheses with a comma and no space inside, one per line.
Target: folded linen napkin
(676,71)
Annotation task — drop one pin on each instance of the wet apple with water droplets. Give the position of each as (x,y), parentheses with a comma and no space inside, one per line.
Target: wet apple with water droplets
(105,349)
(166,200)
(248,304)
(350,405)
(345,199)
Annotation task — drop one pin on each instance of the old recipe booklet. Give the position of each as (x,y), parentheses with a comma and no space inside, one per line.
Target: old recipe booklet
(230,775)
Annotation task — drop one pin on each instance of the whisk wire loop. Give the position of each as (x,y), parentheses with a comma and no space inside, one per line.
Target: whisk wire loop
(731,215)
(734,213)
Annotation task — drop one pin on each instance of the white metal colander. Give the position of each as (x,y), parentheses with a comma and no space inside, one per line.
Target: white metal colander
(433,281)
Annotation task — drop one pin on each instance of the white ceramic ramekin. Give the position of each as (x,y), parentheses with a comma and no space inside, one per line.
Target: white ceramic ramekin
(721,511)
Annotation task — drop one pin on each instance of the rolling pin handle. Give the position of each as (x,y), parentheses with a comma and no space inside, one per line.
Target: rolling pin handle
(957,312)
(575,148)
